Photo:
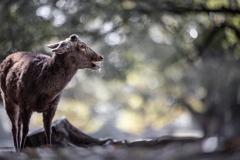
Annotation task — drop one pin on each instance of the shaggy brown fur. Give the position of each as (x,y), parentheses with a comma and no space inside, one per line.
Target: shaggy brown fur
(34,82)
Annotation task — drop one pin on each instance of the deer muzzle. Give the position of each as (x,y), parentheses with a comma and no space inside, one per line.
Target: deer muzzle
(95,66)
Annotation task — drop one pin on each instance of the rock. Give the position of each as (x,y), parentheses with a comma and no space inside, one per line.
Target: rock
(63,134)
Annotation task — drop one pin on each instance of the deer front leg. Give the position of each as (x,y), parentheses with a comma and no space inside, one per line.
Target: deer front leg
(25,117)
(47,122)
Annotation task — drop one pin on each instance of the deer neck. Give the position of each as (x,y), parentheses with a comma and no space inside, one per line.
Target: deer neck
(61,72)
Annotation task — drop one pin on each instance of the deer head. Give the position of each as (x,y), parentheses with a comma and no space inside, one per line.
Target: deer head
(77,52)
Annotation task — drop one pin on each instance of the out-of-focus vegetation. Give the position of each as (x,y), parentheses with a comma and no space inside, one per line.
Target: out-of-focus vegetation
(162,58)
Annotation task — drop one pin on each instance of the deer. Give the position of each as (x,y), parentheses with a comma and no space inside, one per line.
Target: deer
(34,82)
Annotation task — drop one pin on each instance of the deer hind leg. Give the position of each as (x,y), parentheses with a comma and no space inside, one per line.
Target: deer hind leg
(19,129)
(13,114)
(25,117)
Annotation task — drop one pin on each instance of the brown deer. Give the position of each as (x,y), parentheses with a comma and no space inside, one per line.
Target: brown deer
(34,82)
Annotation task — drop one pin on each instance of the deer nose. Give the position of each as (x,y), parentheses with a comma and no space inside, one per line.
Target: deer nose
(101,57)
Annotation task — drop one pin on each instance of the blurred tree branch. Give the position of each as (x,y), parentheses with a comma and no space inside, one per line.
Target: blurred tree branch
(166,6)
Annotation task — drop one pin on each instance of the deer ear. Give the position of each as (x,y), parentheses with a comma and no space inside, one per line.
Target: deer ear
(61,48)
(53,45)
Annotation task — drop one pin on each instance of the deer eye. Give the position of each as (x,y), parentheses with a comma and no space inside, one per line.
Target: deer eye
(83,47)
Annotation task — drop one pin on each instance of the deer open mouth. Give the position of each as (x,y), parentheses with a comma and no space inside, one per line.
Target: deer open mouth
(94,66)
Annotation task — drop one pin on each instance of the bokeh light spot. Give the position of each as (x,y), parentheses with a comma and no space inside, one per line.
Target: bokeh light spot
(193,33)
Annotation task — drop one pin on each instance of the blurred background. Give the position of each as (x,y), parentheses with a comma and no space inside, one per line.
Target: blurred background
(170,67)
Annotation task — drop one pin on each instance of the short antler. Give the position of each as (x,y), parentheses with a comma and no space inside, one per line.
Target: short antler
(73,37)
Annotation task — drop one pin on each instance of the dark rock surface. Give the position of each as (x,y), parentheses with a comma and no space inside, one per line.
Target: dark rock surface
(70,143)
(64,134)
